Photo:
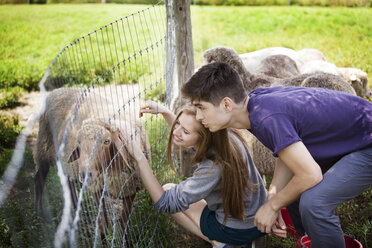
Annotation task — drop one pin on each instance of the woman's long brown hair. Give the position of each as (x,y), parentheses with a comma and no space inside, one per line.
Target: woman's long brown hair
(225,152)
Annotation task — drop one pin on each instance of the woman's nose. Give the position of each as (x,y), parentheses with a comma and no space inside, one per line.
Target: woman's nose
(176,130)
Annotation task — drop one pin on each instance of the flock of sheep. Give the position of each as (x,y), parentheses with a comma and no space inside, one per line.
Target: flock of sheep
(279,66)
(86,125)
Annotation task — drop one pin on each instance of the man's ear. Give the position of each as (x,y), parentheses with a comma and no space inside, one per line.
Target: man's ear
(227,104)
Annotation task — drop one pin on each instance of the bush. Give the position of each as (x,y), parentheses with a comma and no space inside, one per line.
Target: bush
(9,130)
(10,97)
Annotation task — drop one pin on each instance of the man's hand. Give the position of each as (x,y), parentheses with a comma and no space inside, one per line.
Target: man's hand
(265,218)
(279,228)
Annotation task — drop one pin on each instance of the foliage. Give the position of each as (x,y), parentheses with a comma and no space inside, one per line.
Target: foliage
(10,97)
(356,217)
(9,130)
(19,225)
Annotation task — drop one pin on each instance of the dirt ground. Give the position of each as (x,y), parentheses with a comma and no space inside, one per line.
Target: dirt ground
(30,104)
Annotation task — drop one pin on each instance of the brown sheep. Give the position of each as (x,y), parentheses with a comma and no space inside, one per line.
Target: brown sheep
(92,151)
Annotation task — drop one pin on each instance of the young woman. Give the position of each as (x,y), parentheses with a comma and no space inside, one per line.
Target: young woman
(218,203)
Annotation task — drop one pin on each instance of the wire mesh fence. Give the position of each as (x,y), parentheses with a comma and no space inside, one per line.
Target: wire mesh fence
(87,188)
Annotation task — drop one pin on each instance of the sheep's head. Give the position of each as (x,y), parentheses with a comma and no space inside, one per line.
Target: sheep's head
(100,152)
(229,56)
(358,80)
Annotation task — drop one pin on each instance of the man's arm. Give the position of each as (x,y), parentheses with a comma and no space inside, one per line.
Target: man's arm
(296,165)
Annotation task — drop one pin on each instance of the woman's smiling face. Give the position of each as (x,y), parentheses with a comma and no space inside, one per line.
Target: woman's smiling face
(185,131)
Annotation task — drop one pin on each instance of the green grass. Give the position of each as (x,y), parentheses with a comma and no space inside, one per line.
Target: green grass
(344,35)
(31,36)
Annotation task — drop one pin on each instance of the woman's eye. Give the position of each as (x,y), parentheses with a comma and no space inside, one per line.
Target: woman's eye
(185,131)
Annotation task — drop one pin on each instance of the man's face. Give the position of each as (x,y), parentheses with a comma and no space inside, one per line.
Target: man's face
(212,117)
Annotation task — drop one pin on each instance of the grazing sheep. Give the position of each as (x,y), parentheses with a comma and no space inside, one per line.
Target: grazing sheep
(319,66)
(355,77)
(277,66)
(262,156)
(90,141)
(317,80)
(358,80)
(252,59)
(250,81)
(309,54)
(230,56)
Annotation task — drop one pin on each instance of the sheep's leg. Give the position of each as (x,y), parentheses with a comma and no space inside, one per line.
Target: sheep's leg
(39,181)
(102,220)
(125,214)
(74,198)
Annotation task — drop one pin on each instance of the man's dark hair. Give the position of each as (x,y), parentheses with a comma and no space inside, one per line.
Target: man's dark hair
(213,82)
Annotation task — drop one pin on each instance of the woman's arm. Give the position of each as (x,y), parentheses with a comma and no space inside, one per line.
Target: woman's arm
(148,179)
(147,176)
(156,108)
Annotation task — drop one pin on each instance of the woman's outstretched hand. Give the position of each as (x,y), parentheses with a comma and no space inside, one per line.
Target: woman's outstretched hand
(152,107)
(133,148)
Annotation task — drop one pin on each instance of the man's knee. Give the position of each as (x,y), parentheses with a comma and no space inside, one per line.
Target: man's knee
(313,204)
(307,205)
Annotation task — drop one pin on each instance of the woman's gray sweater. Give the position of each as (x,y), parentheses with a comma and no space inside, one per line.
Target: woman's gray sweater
(206,184)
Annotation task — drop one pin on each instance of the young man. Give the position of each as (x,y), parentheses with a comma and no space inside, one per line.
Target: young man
(309,131)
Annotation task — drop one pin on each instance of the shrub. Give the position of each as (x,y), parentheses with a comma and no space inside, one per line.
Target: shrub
(9,130)
(10,97)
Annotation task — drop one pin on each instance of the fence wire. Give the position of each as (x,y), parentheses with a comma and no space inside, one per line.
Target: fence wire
(93,196)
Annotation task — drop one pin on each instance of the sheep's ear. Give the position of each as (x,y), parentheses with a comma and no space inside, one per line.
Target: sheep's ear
(75,155)
(119,144)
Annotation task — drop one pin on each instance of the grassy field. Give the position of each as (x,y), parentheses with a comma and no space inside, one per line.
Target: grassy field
(31,36)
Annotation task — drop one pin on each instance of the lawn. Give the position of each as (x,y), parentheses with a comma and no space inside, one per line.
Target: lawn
(31,36)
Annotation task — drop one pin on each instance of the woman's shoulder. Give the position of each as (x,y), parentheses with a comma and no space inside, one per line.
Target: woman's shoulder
(206,166)
(239,136)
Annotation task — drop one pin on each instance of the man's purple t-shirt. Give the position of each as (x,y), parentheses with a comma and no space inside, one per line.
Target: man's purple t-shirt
(329,123)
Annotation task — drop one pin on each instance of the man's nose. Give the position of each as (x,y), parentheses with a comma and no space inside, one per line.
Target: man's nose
(198,116)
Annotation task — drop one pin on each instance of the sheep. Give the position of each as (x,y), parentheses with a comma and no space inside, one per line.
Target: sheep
(250,81)
(251,60)
(309,54)
(317,80)
(230,56)
(319,66)
(278,66)
(355,77)
(91,141)
(358,80)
